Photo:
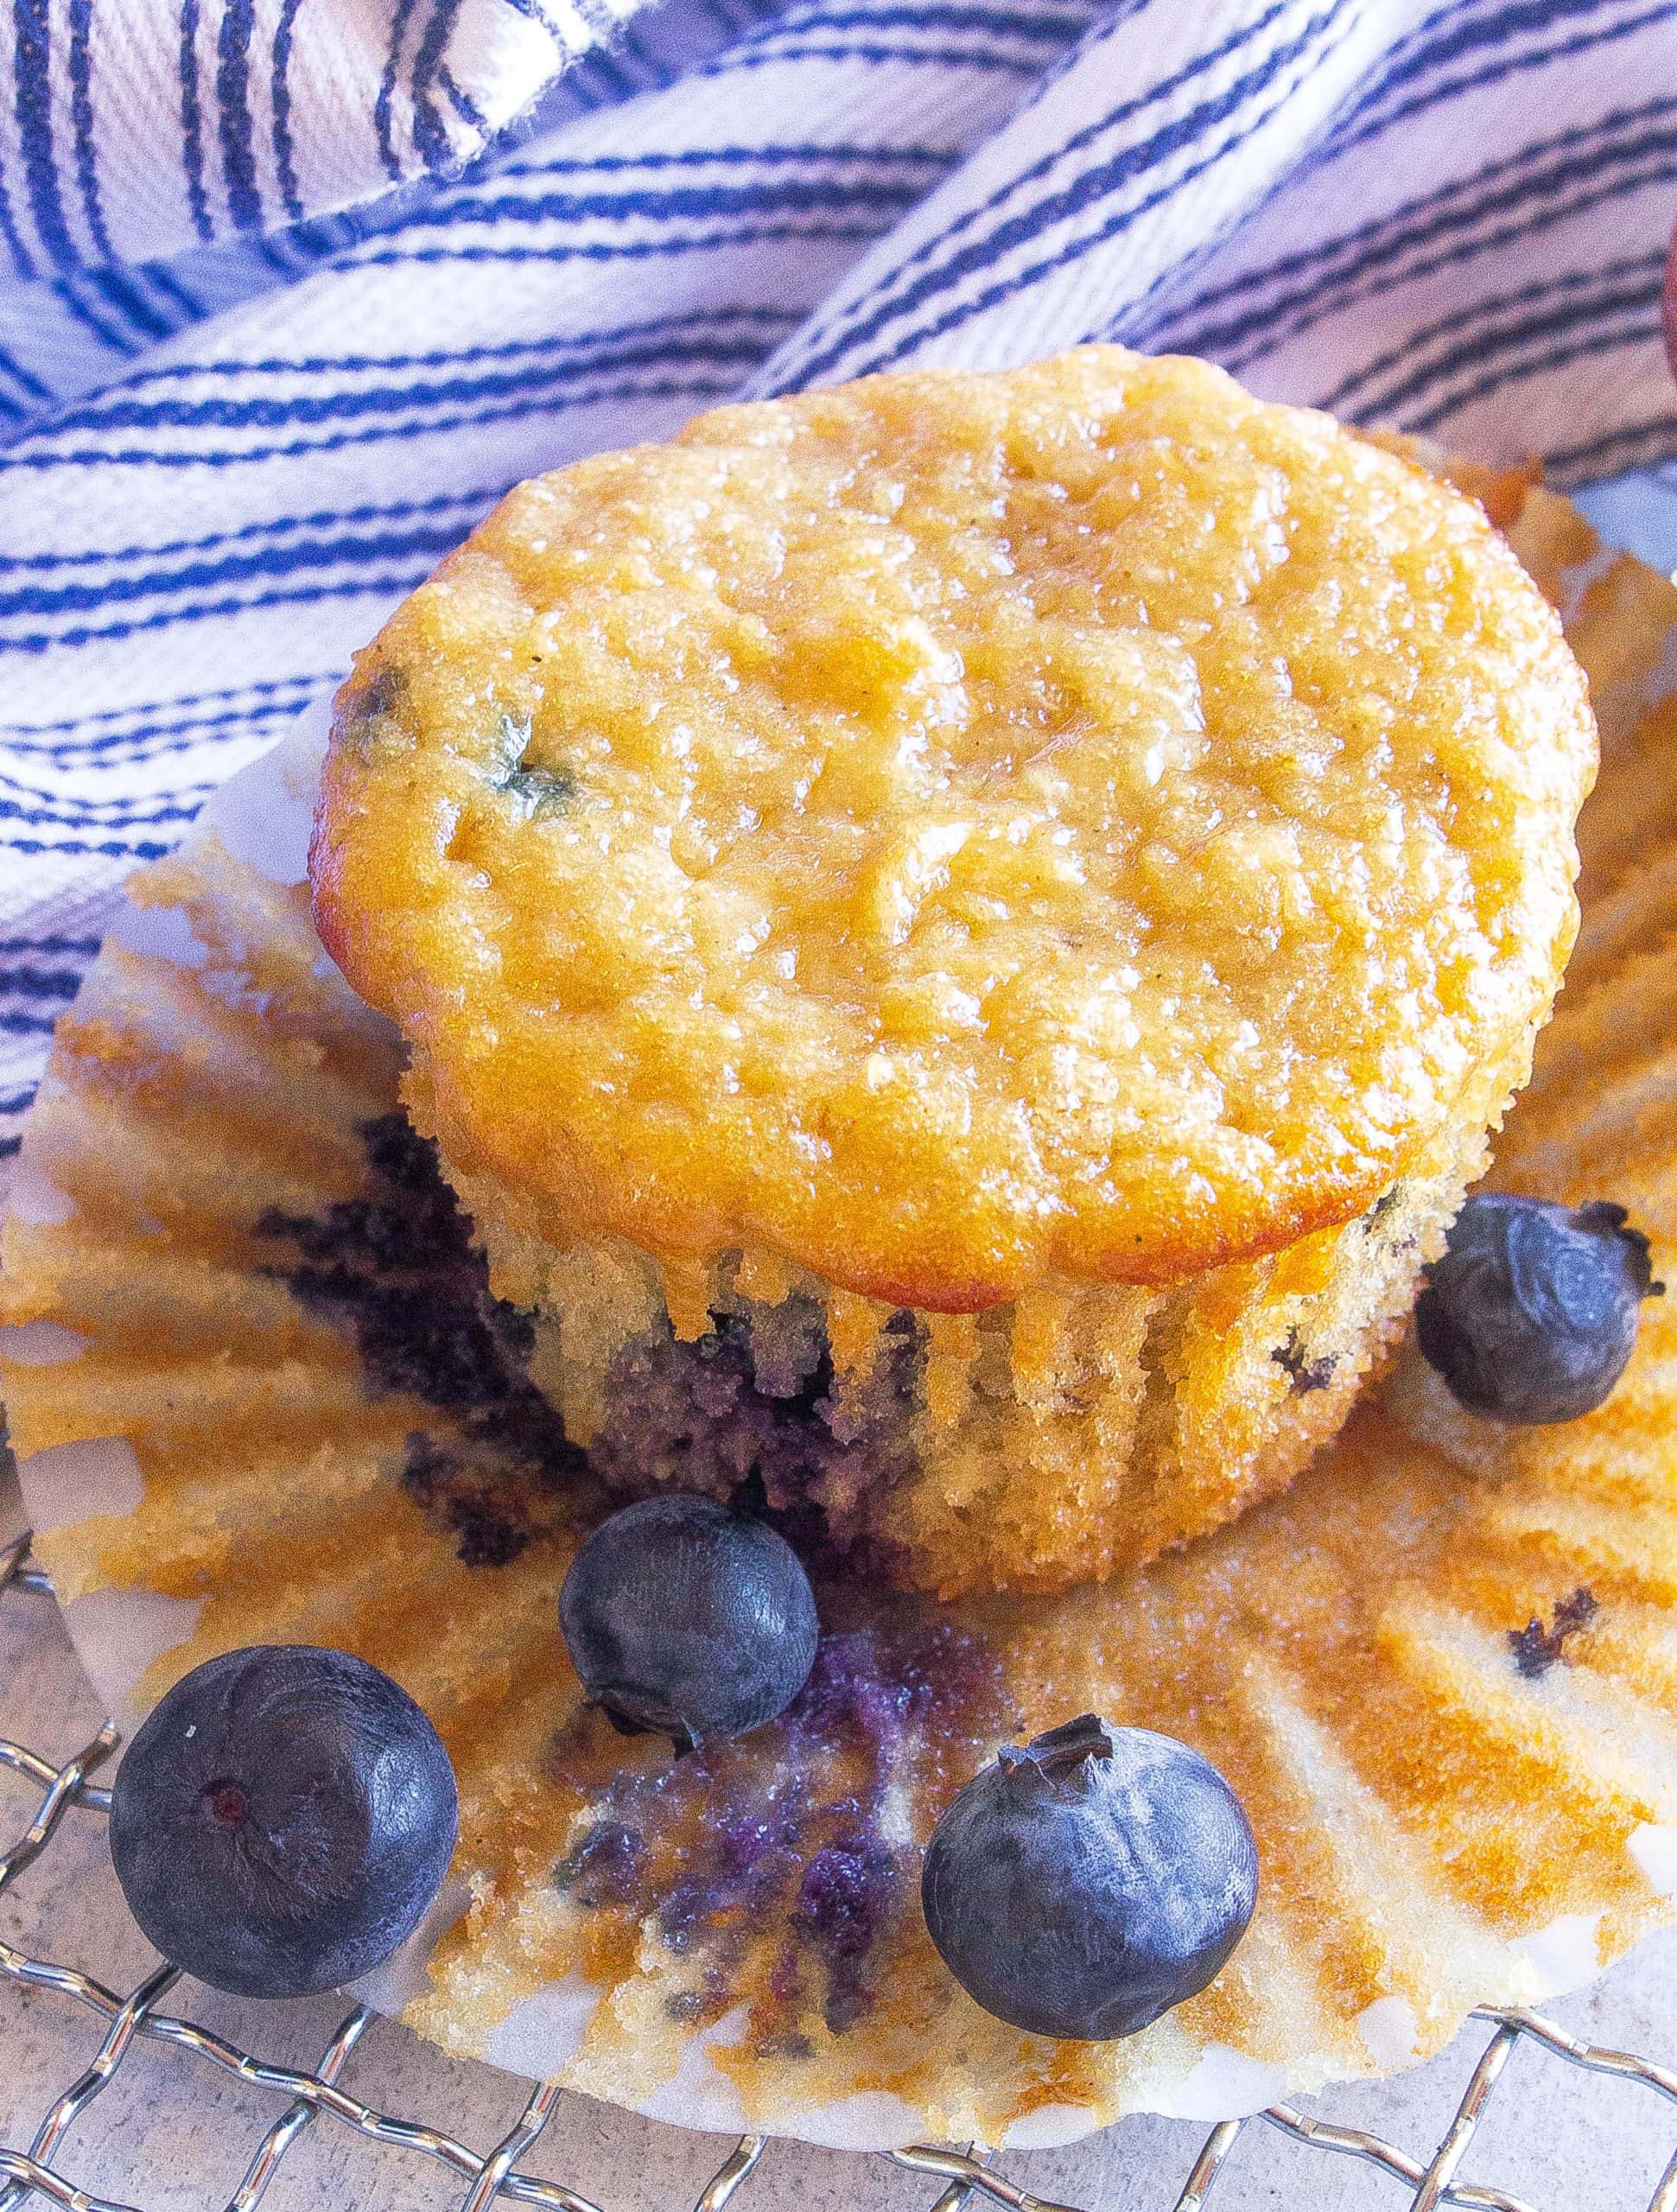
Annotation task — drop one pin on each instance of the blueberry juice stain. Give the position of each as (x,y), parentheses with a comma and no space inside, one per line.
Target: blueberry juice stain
(395,1269)
(771,1862)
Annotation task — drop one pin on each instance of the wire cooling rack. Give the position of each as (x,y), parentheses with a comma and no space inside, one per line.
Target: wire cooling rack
(492,2176)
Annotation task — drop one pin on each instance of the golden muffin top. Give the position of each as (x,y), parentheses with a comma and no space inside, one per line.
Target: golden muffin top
(956,831)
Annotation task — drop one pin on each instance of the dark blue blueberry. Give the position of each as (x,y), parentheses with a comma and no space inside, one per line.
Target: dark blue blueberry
(686,1618)
(283,1821)
(1531,1314)
(1084,1886)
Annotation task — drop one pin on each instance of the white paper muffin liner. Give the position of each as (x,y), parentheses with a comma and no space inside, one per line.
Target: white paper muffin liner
(212,1456)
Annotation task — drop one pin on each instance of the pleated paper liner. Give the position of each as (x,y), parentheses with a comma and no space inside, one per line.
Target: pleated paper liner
(264,1396)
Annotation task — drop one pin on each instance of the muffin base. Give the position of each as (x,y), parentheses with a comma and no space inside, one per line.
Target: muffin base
(1074,1434)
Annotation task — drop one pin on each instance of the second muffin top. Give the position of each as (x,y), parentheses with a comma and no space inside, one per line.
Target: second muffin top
(955,831)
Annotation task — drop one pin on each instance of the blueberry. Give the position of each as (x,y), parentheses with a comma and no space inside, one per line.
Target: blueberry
(283,1820)
(684,1616)
(1531,1314)
(1084,1886)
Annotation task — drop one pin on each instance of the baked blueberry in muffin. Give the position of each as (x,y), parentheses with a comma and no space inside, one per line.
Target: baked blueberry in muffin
(961,936)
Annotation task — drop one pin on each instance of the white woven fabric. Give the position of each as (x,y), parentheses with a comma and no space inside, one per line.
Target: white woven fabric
(224,464)
(144,127)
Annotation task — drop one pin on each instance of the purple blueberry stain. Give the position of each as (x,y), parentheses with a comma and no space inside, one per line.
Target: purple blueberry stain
(785,1828)
(842,1893)
(396,1269)
(603,1866)
(747,1841)
(850,1890)
(708,1417)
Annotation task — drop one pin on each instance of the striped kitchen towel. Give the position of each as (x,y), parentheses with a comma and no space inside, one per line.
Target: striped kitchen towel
(297,292)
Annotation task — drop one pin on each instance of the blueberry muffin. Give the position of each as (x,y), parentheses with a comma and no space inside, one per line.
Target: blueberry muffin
(262,1395)
(961,938)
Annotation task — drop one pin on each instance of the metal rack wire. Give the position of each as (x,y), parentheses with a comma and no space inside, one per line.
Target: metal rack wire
(492,2176)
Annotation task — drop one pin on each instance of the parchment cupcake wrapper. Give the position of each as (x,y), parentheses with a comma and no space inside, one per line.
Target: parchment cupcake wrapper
(263,1395)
